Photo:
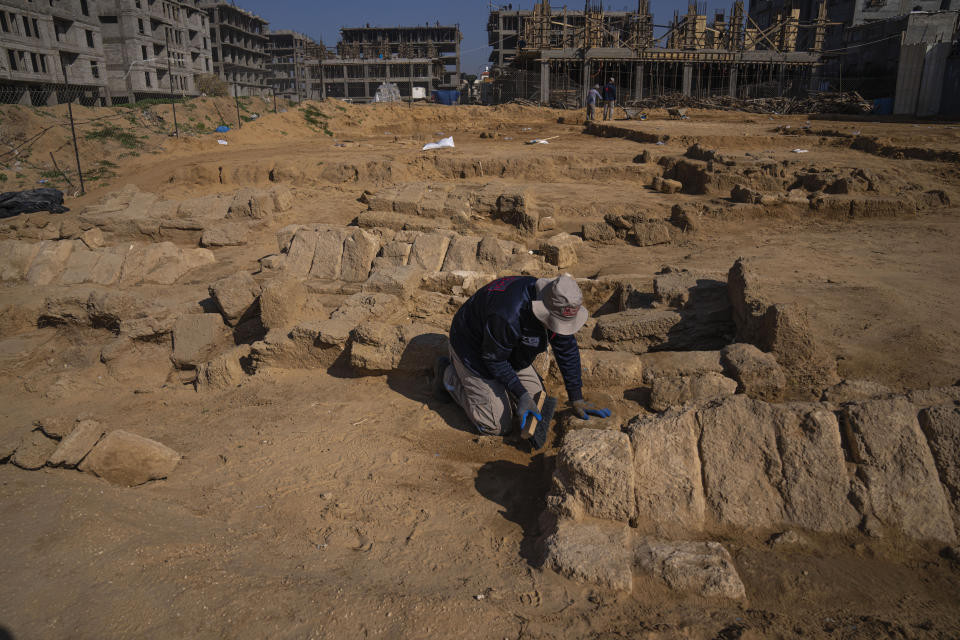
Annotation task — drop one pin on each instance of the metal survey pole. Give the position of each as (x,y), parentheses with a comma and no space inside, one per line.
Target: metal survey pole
(236,103)
(73,131)
(173,98)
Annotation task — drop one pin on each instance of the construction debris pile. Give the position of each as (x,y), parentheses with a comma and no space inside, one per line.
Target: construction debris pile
(846,103)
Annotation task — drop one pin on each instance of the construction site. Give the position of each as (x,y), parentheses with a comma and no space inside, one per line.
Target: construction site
(234,387)
(553,56)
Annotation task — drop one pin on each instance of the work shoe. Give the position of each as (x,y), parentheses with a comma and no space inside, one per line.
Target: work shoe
(440,393)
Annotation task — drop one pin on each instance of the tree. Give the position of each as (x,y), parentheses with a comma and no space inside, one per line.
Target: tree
(211,85)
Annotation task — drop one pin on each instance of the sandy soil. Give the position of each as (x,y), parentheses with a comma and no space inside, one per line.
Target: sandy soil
(315,504)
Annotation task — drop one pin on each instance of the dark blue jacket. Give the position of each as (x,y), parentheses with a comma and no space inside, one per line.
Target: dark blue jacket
(495,334)
(610,91)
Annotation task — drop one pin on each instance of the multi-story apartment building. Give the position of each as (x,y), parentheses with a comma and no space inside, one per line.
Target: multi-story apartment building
(154,47)
(239,46)
(51,50)
(294,64)
(426,57)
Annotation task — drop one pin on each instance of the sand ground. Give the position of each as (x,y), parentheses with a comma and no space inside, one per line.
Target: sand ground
(314,504)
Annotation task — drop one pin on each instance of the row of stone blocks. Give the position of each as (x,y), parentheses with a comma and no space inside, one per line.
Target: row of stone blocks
(739,464)
(118,456)
(69,262)
(350,254)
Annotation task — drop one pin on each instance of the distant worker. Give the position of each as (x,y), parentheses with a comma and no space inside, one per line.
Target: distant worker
(592,98)
(495,337)
(609,99)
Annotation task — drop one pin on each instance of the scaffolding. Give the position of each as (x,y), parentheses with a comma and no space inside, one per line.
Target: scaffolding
(559,55)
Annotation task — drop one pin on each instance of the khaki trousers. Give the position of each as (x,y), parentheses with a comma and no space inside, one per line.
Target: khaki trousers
(487,403)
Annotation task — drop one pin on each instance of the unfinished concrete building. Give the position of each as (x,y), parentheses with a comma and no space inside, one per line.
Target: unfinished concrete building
(426,57)
(556,55)
(238,42)
(294,64)
(154,48)
(51,52)
(841,14)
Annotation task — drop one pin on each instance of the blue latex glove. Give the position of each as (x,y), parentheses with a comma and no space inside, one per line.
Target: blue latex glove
(583,410)
(525,408)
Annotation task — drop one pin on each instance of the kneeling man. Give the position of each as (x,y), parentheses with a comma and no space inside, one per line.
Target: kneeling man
(494,339)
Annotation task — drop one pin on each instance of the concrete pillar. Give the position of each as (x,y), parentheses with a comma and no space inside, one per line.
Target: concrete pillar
(586,82)
(638,82)
(732,92)
(346,86)
(687,78)
(545,83)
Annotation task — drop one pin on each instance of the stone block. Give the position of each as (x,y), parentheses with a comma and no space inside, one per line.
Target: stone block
(458,283)
(670,186)
(561,250)
(399,281)
(597,552)
(897,468)
(785,332)
(364,306)
(492,255)
(685,217)
(650,232)
(704,568)
(359,250)
(282,303)
(742,472)
(301,252)
(609,369)
(224,371)
(78,444)
(599,232)
(235,297)
(196,337)
(170,269)
(462,254)
(127,459)
(225,234)
(396,253)
(285,236)
(79,266)
(673,287)
(757,374)
(93,238)
(815,486)
(33,450)
(594,476)
(647,327)
(248,203)
(429,250)
(747,301)
(934,396)
(854,390)
(378,347)
(110,265)
(16,257)
(679,363)
(328,256)
(698,388)
(666,463)
(49,262)
(941,426)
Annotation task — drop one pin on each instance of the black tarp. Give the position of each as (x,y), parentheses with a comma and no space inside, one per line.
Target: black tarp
(16,202)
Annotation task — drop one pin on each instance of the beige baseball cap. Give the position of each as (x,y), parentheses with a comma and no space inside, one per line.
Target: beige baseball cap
(560,306)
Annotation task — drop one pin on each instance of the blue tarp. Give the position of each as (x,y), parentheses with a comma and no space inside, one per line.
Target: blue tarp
(883,106)
(222,129)
(446,96)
